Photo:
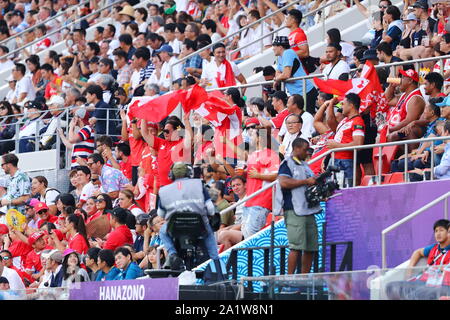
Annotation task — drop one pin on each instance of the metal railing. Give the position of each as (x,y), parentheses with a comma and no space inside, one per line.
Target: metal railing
(283,27)
(444,198)
(51,18)
(61,28)
(230,36)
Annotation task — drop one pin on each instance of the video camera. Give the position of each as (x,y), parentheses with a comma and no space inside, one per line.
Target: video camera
(324,187)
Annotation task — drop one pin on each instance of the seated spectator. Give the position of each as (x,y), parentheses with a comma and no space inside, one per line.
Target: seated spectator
(103,206)
(334,36)
(33,124)
(279,100)
(76,233)
(442,171)
(193,65)
(40,189)
(105,262)
(393,26)
(336,68)
(24,86)
(120,235)
(71,269)
(91,260)
(412,40)
(126,201)
(295,105)
(127,268)
(124,70)
(150,261)
(294,130)
(7,127)
(408,107)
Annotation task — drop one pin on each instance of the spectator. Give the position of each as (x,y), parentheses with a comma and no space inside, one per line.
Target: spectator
(220,72)
(76,233)
(112,180)
(294,130)
(251,34)
(71,269)
(91,262)
(334,36)
(128,269)
(103,205)
(24,86)
(56,108)
(13,278)
(8,262)
(393,26)
(32,217)
(121,234)
(19,186)
(348,132)
(297,38)
(295,105)
(106,266)
(141,227)
(126,44)
(7,127)
(294,175)
(149,261)
(289,66)
(94,95)
(384,54)
(171,39)
(126,201)
(408,107)
(442,171)
(39,188)
(5,63)
(193,65)
(209,27)
(336,68)
(163,74)
(261,166)
(33,124)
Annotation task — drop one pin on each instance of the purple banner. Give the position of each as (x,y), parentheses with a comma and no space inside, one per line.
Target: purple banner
(360,214)
(143,289)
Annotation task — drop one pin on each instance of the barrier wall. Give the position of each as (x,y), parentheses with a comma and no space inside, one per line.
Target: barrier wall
(360,215)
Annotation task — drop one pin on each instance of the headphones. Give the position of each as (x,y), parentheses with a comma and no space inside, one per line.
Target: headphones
(189,172)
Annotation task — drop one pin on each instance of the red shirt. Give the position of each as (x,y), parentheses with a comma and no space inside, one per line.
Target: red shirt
(20,250)
(33,261)
(136,147)
(78,243)
(264,161)
(224,149)
(279,119)
(297,38)
(23,275)
(168,153)
(346,130)
(118,237)
(49,91)
(125,167)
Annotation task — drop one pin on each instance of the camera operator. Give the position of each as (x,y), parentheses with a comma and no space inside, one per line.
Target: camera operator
(185,195)
(294,177)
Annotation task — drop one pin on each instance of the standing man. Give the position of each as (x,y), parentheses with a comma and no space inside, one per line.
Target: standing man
(294,176)
(19,187)
(297,38)
(349,132)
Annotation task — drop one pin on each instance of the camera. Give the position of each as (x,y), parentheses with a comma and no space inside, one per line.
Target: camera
(324,187)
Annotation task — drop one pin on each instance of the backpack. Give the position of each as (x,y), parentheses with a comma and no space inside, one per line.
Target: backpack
(211,275)
(310,64)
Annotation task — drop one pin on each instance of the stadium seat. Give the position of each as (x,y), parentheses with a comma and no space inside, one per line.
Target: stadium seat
(397,177)
(388,154)
(366,180)
(385,178)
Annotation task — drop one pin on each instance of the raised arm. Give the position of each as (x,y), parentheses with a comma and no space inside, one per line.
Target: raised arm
(148,137)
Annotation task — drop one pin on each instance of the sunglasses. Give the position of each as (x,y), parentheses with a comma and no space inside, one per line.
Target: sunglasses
(99,200)
(5,258)
(94,180)
(166,131)
(3,108)
(42,211)
(382,7)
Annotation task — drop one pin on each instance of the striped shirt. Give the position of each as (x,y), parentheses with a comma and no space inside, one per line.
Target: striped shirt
(85,147)
(146,72)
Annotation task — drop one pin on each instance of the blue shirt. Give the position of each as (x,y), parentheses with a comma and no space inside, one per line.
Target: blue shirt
(193,62)
(442,171)
(287,60)
(131,272)
(111,275)
(427,250)
(100,112)
(395,33)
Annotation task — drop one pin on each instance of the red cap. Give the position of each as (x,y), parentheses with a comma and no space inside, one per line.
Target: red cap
(34,237)
(4,229)
(251,121)
(39,206)
(410,73)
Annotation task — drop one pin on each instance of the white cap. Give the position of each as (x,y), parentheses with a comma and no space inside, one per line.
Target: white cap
(57,100)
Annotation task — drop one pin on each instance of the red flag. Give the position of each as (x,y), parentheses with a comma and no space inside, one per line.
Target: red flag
(340,87)
(156,109)
(194,98)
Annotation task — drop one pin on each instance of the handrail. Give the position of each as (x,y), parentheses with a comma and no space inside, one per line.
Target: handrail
(281,28)
(43,22)
(60,29)
(409,217)
(367,146)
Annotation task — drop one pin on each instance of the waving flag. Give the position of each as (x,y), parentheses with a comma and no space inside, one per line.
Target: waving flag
(368,88)
(156,109)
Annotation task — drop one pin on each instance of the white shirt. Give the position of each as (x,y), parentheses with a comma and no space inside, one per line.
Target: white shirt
(25,85)
(215,37)
(288,139)
(143,27)
(283,32)
(307,126)
(252,35)
(211,71)
(15,282)
(94,77)
(30,128)
(347,51)
(8,64)
(164,79)
(176,45)
(50,197)
(87,191)
(339,68)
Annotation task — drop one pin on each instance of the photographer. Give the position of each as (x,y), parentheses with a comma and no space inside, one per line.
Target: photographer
(294,176)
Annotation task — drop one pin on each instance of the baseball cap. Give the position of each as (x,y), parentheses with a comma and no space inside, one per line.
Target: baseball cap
(56,256)
(165,48)
(251,121)
(410,16)
(370,54)
(34,237)
(4,229)
(33,104)
(421,4)
(279,95)
(39,206)
(55,99)
(410,73)
(120,213)
(142,219)
(281,41)
(445,103)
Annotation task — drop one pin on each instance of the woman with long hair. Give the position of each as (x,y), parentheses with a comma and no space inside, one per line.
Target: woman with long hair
(103,203)
(126,201)
(72,269)
(90,207)
(34,66)
(76,233)
(39,188)
(150,261)
(7,127)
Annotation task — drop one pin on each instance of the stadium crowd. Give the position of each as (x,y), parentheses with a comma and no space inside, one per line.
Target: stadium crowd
(105,225)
